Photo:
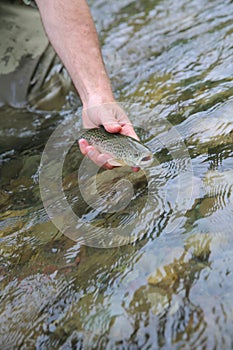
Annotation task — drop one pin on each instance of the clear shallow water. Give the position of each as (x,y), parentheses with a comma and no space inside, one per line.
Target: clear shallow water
(170,289)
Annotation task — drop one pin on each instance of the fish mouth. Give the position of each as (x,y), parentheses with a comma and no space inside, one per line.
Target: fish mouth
(143,162)
(146,160)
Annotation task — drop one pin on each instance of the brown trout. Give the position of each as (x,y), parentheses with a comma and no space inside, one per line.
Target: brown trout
(124,150)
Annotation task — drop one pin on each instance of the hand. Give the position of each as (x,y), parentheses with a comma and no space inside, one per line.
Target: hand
(114,119)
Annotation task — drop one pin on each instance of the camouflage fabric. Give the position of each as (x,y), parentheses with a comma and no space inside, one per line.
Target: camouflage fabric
(30,71)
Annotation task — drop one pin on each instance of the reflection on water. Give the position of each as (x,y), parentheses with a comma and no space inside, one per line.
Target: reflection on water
(171,289)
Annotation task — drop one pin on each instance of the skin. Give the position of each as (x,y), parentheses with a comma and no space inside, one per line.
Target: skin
(71,31)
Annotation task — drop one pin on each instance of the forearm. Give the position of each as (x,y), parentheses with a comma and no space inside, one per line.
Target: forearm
(72,33)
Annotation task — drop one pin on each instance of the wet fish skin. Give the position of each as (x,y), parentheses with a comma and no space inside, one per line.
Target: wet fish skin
(124,150)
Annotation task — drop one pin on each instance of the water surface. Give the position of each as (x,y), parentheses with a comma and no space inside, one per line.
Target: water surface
(172,288)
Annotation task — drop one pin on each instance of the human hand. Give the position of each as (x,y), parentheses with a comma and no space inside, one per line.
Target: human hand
(114,119)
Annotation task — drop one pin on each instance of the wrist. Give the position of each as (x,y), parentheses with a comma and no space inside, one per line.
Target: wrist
(98,98)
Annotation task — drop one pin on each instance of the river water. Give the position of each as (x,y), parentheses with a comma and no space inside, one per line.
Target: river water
(170,286)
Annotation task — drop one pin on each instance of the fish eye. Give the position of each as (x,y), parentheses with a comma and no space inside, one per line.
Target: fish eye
(145,159)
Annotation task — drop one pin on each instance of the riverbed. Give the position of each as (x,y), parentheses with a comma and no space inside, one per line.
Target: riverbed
(167,284)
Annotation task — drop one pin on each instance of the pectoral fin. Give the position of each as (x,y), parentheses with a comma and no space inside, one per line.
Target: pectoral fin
(116,162)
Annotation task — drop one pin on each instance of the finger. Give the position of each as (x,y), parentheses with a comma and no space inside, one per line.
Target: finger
(128,130)
(103,159)
(99,159)
(113,127)
(83,144)
(135,169)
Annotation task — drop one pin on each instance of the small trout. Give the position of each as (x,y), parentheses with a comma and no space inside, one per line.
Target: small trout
(123,149)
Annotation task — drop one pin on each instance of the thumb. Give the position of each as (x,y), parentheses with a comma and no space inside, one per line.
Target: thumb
(112,125)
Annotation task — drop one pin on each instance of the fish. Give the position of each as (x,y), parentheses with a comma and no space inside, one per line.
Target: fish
(123,149)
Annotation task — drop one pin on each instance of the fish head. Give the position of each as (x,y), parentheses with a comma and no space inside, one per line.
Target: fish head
(136,159)
(141,160)
(138,156)
(145,160)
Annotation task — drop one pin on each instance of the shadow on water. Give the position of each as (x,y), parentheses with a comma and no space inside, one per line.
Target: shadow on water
(172,287)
